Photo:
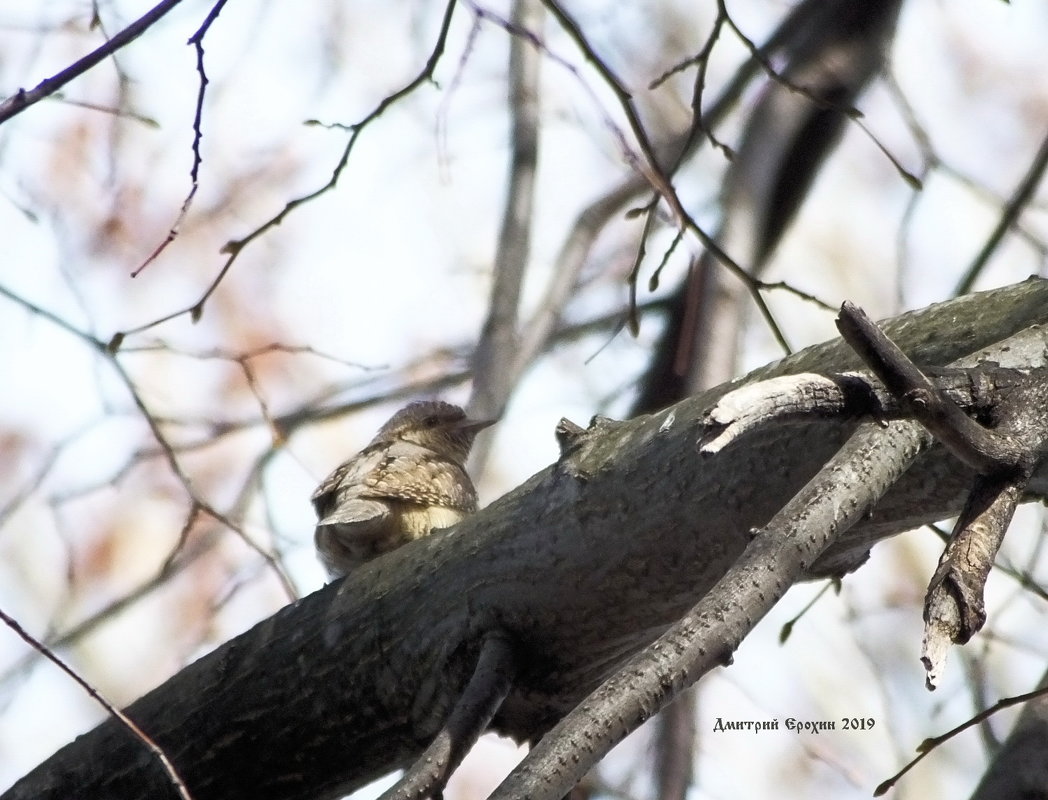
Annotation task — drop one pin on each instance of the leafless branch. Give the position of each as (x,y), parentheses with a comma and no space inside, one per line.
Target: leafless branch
(929,745)
(235,247)
(197,40)
(22,99)
(496,354)
(126,721)
(1024,193)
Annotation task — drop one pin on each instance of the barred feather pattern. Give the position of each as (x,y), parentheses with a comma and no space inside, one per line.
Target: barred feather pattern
(409,481)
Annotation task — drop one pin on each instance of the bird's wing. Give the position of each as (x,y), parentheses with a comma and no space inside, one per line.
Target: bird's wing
(359,517)
(399,470)
(346,481)
(413,473)
(355,531)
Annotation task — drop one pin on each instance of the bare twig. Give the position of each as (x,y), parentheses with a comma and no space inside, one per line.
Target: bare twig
(1023,194)
(22,99)
(656,176)
(928,745)
(126,721)
(649,167)
(177,560)
(235,247)
(166,448)
(197,40)
(586,227)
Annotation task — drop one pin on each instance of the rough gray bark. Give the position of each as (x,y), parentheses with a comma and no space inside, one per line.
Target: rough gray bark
(580,567)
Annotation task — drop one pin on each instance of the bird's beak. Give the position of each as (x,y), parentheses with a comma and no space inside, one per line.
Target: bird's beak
(473,425)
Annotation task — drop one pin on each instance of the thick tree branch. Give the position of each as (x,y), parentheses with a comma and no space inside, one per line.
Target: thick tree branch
(359,678)
(779,555)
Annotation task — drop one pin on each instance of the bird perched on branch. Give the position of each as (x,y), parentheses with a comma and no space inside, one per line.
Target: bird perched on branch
(409,481)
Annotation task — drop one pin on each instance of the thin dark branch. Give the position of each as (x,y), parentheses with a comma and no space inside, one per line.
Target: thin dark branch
(197,40)
(649,167)
(126,721)
(650,221)
(178,559)
(166,448)
(235,247)
(1023,194)
(928,745)
(652,171)
(817,98)
(591,220)
(22,99)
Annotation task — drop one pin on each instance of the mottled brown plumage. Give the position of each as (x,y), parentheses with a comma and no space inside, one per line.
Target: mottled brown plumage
(409,481)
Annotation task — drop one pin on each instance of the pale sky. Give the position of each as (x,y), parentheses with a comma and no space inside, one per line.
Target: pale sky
(83,201)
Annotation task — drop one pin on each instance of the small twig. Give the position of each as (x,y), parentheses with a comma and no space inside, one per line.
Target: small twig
(928,745)
(632,320)
(650,166)
(126,721)
(235,247)
(653,172)
(817,98)
(586,227)
(167,450)
(477,705)
(197,40)
(22,99)
(798,293)
(787,629)
(1023,194)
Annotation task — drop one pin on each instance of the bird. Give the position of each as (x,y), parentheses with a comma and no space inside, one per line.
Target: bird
(407,482)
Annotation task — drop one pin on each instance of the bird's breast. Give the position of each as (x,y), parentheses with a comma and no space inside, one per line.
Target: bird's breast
(416,521)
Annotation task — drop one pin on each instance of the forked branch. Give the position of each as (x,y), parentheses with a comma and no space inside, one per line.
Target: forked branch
(480,700)
(1003,454)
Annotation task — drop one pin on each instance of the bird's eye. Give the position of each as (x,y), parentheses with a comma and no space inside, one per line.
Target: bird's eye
(430,422)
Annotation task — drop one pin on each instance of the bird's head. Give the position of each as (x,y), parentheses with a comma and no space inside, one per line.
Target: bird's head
(441,427)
